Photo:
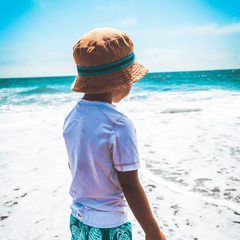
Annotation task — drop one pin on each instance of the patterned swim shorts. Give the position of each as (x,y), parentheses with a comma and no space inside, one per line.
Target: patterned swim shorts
(81,231)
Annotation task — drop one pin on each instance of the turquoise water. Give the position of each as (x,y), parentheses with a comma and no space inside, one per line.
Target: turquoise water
(24,91)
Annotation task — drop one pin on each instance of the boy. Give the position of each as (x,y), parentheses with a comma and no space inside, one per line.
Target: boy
(101,142)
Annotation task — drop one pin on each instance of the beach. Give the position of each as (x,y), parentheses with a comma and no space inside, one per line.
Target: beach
(188,141)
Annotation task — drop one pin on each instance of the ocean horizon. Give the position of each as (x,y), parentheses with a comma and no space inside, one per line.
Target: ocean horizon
(206,70)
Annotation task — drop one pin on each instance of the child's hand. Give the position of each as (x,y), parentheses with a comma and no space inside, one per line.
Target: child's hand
(154,236)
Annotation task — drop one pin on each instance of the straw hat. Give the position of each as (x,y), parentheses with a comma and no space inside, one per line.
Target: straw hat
(105,62)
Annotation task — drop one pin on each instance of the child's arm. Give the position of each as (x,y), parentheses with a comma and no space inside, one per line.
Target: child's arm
(139,204)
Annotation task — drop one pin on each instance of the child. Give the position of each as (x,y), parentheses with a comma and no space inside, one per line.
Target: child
(101,142)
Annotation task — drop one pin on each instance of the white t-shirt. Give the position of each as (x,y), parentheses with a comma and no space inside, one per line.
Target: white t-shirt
(99,141)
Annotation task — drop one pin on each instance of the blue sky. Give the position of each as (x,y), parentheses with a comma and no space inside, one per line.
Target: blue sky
(37,36)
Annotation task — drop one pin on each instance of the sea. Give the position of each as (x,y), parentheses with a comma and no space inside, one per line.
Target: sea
(188,132)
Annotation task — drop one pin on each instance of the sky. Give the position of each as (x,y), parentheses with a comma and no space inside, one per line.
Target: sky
(37,36)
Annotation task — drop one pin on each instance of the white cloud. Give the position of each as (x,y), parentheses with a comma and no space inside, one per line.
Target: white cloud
(212,29)
(127,22)
(232,28)
(39,69)
(163,54)
(188,59)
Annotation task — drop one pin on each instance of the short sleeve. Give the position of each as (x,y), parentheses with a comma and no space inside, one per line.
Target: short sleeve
(124,146)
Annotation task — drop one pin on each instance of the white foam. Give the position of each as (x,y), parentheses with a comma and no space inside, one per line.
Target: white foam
(187,147)
(177,189)
(180,110)
(181,149)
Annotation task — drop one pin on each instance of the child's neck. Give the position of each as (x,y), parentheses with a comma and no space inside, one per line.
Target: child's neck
(104,97)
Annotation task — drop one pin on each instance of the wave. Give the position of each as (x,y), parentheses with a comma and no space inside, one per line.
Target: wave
(40,90)
(180,110)
(179,190)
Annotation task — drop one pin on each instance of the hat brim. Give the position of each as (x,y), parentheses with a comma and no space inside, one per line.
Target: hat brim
(111,81)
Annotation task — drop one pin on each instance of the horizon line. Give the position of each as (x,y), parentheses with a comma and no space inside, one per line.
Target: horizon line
(227,69)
